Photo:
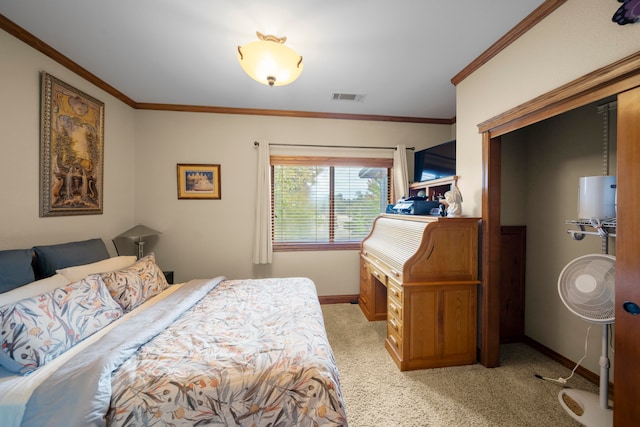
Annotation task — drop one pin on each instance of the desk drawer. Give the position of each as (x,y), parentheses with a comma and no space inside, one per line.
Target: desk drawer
(395,325)
(364,299)
(394,291)
(365,290)
(394,342)
(377,273)
(396,275)
(394,308)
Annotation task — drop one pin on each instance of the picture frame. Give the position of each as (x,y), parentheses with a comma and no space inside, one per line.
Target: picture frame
(71,150)
(199,181)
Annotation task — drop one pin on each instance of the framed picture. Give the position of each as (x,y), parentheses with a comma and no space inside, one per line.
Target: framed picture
(71,150)
(198,181)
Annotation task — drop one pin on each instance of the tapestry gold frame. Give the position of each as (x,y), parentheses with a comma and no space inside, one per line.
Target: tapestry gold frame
(71,150)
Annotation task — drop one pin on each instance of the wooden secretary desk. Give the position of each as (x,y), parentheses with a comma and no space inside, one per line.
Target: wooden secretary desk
(420,274)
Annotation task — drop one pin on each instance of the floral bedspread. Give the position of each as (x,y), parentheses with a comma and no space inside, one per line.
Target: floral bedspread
(250,353)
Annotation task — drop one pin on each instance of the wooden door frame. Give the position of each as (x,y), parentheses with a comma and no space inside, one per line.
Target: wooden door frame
(627,347)
(604,82)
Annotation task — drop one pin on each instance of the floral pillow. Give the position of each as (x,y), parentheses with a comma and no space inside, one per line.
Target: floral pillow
(36,330)
(133,285)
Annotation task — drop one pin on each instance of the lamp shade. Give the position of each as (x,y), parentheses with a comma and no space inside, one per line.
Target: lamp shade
(140,231)
(269,61)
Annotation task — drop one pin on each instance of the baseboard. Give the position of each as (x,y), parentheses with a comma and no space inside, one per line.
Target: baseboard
(339,299)
(584,372)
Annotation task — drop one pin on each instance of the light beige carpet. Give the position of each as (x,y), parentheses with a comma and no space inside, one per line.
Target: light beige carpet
(376,393)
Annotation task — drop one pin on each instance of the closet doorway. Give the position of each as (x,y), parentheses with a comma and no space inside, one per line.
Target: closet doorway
(622,79)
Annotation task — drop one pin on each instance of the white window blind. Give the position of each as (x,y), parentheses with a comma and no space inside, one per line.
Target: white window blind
(327,201)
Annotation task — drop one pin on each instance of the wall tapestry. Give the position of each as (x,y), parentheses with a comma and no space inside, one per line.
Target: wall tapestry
(628,13)
(71,150)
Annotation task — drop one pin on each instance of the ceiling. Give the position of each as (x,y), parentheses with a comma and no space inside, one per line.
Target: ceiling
(400,55)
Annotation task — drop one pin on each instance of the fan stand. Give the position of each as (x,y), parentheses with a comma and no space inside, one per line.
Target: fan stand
(595,408)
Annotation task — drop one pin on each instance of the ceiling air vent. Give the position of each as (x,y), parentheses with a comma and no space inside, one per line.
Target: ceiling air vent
(348,97)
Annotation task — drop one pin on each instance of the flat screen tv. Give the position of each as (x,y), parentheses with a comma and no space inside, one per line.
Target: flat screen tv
(435,162)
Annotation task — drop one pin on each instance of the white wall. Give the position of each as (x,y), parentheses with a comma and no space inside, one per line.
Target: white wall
(20,224)
(202,238)
(577,38)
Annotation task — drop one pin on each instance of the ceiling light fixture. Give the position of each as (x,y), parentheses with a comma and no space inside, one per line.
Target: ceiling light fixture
(269,61)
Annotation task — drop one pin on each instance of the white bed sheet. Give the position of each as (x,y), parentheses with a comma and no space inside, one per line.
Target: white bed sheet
(15,390)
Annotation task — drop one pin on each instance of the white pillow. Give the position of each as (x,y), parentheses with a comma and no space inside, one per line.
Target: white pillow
(79,272)
(34,288)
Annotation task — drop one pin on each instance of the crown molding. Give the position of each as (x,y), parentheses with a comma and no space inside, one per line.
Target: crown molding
(609,80)
(290,113)
(525,25)
(31,40)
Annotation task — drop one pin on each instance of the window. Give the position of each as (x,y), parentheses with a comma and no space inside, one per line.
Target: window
(326,203)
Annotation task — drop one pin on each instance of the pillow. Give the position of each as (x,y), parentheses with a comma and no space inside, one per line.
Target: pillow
(15,268)
(36,330)
(55,257)
(34,288)
(73,274)
(133,285)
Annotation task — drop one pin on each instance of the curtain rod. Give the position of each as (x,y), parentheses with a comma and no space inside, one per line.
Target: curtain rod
(334,146)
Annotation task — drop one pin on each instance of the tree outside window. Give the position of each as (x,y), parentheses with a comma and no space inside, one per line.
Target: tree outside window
(324,203)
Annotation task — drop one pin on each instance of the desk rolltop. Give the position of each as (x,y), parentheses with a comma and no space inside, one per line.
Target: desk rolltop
(425,248)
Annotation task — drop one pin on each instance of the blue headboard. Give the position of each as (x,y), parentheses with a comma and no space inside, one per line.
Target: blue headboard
(21,266)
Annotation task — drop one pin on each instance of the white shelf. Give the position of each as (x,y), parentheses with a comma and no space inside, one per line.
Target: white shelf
(609,225)
(433,182)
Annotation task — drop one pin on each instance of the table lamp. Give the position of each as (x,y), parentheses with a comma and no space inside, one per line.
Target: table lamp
(138,232)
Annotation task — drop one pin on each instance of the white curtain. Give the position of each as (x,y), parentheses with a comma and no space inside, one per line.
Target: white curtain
(262,248)
(400,173)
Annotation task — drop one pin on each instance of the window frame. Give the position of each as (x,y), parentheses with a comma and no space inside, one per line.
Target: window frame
(373,162)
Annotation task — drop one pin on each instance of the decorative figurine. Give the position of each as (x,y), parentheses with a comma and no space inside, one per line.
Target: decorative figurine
(453,200)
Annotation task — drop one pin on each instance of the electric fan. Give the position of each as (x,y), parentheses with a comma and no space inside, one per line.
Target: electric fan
(587,287)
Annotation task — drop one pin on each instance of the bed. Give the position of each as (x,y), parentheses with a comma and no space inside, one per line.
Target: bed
(88,339)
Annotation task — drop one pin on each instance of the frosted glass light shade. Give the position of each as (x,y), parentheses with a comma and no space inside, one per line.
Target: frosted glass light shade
(269,61)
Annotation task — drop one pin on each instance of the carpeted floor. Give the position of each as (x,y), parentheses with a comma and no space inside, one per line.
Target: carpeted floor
(376,393)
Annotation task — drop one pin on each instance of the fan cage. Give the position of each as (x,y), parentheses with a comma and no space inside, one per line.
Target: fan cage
(594,302)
